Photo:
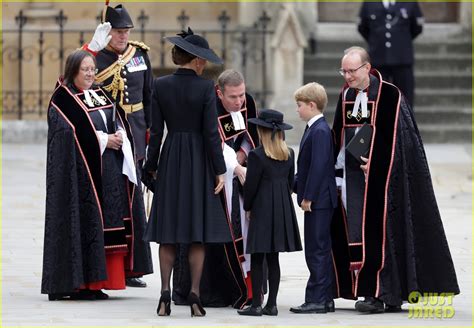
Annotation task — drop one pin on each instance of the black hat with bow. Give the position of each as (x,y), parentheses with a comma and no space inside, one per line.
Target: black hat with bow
(195,45)
(271,119)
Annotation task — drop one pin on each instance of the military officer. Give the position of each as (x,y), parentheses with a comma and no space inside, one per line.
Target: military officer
(125,72)
(389,28)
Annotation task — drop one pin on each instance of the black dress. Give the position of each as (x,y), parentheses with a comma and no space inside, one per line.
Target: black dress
(185,209)
(267,195)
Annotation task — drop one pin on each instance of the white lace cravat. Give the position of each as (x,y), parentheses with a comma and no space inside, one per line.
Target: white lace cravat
(238,120)
(360,102)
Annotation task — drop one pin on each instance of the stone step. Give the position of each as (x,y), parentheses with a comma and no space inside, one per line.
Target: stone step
(449,133)
(443,115)
(423,62)
(430,132)
(425,97)
(441,79)
(421,47)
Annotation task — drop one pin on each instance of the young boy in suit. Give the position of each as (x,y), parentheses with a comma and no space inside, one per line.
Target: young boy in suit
(315,186)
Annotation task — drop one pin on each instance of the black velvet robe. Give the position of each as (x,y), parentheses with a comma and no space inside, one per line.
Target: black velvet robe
(403,247)
(77,234)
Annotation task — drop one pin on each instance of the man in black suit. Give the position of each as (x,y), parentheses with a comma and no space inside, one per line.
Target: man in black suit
(389,28)
(315,186)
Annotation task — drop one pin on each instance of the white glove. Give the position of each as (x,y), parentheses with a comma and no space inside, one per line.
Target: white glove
(101,37)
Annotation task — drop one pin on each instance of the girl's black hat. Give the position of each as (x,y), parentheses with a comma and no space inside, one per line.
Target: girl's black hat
(271,119)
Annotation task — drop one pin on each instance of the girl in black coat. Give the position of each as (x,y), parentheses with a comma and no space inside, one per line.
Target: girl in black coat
(267,199)
(189,169)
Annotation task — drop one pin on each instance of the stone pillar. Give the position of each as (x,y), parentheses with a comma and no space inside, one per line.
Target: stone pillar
(287,49)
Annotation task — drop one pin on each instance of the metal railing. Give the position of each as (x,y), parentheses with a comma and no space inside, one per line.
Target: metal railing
(26,93)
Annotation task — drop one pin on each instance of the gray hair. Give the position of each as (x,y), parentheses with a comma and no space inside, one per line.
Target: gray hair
(231,78)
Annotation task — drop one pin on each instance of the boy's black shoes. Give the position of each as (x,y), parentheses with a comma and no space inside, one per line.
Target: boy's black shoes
(310,308)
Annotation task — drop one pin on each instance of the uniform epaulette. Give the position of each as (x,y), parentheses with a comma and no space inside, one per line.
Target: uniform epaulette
(139,45)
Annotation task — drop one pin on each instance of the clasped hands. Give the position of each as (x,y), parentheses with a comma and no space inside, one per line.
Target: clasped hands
(115,141)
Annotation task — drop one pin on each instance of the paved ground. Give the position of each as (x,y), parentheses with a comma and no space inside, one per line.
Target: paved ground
(23,188)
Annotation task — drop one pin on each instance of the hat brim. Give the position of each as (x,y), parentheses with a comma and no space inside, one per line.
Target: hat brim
(207,54)
(257,121)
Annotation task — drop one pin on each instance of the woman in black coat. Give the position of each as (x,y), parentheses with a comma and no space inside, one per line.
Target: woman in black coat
(189,170)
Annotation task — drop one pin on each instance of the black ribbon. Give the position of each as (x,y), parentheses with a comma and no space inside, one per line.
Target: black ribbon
(184,34)
(275,128)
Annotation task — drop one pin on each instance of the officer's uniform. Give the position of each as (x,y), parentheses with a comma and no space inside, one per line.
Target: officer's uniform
(389,32)
(128,77)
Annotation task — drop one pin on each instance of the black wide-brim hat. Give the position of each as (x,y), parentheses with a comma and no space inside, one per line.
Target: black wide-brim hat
(196,45)
(270,118)
(118,17)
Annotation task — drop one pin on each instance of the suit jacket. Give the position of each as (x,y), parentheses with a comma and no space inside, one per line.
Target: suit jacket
(315,179)
(390,32)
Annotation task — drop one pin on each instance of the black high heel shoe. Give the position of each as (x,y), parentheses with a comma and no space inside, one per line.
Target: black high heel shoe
(196,307)
(164,304)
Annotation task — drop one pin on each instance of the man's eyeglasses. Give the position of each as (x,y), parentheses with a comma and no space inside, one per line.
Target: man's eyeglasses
(89,70)
(350,71)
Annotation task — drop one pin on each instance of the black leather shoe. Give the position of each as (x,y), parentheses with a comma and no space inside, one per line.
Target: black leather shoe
(310,308)
(330,307)
(393,308)
(135,282)
(83,295)
(270,310)
(255,311)
(370,305)
(58,296)
(100,295)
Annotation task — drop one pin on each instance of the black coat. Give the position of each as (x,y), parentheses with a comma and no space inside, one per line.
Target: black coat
(185,209)
(390,32)
(267,195)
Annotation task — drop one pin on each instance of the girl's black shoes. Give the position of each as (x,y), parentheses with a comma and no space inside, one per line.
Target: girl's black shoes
(164,305)
(196,307)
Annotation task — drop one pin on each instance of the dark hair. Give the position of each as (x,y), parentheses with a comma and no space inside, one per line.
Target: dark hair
(73,64)
(181,57)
